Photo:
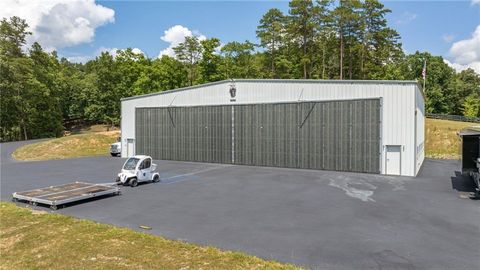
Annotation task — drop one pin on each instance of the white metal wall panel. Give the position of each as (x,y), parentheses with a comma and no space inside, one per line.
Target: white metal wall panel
(420,129)
(399,102)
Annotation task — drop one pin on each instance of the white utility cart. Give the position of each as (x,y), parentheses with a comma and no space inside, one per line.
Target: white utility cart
(138,169)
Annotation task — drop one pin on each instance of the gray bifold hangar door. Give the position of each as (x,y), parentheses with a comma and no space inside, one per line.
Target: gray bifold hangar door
(327,135)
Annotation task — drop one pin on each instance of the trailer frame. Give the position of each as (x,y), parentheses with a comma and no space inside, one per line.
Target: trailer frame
(55,196)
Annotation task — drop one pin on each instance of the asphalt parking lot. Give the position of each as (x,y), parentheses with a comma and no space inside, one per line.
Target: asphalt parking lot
(317,219)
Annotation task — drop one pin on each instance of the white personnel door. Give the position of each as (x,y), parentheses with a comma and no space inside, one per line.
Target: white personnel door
(393,159)
(130,147)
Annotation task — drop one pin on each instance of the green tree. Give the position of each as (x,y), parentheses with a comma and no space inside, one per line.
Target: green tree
(172,73)
(44,111)
(16,79)
(271,33)
(13,36)
(103,104)
(380,44)
(162,74)
(346,22)
(239,60)
(301,30)
(471,106)
(130,67)
(210,62)
(71,84)
(189,52)
(440,91)
(323,32)
(467,85)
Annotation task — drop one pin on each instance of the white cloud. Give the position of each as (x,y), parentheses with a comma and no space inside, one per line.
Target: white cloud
(458,67)
(59,23)
(466,53)
(176,35)
(475,2)
(218,50)
(79,58)
(137,51)
(407,17)
(448,37)
(114,51)
(111,51)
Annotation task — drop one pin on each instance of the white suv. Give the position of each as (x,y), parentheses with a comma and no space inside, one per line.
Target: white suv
(116,148)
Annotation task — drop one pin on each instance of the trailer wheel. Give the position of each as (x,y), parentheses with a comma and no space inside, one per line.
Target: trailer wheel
(133,182)
(156,178)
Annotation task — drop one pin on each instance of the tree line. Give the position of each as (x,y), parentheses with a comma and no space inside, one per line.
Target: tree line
(324,39)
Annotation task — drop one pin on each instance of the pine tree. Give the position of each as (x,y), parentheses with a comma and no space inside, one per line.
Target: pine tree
(346,22)
(301,30)
(271,33)
(189,52)
(379,43)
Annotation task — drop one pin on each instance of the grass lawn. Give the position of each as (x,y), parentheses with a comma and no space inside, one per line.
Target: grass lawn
(441,138)
(79,145)
(32,239)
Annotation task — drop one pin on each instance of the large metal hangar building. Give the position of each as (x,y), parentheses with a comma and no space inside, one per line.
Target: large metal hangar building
(342,125)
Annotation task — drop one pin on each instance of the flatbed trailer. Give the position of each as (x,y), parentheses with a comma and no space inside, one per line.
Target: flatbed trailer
(67,193)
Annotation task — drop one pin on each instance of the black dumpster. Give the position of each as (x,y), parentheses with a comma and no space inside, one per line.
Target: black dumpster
(471,154)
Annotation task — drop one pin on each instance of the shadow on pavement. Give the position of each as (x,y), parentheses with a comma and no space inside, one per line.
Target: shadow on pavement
(462,183)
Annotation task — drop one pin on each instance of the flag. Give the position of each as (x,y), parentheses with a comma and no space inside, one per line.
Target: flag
(424,71)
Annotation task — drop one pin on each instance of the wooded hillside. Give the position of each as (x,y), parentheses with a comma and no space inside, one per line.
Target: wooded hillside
(316,40)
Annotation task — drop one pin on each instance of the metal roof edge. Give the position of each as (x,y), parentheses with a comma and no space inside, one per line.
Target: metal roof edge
(329,81)
(277,81)
(176,90)
(420,88)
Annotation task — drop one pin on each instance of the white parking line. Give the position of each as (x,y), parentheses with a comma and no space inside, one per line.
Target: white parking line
(192,173)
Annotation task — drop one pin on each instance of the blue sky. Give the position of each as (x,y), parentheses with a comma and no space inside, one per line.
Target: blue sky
(433,26)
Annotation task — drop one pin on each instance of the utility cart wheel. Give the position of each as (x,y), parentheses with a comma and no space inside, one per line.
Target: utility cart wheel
(133,182)
(53,207)
(156,178)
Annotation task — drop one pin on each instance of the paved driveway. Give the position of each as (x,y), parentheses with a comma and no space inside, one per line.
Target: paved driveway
(319,219)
